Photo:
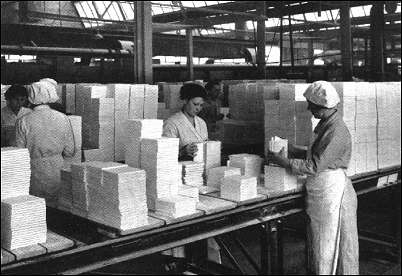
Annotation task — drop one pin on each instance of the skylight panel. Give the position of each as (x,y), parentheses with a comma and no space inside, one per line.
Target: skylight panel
(128,10)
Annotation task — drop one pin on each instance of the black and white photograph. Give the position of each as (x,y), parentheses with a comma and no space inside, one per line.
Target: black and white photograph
(201,137)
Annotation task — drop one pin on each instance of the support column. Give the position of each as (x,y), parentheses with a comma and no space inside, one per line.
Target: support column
(261,65)
(377,41)
(143,42)
(310,49)
(292,57)
(190,53)
(346,42)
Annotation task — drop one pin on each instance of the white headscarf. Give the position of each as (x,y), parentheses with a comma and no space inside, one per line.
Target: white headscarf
(43,92)
(322,93)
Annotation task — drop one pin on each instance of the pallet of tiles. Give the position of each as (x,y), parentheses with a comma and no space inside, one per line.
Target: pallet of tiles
(216,175)
(121,95)
(151,102)
(246,101)
(171,96)
(15,172)
(239,188)
(189,191)
(159,158)
(66,93)
(120,201)
(249,164)
(23,221)
(192,173)
(176,206)
(279,179)
(137,130)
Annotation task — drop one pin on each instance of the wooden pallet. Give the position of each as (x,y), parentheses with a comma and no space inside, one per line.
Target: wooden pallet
(54,243)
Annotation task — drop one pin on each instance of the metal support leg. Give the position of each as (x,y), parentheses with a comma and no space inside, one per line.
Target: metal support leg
(246,253)
(276,247)
(265,252)
(226,251)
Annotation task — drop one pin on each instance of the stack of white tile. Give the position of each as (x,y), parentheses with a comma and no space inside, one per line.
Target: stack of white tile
(246,101)
(216,175)
(176,206)
(15,172)
(239,188)
(279,179)
(159,158)
(250,164)
(287,116)
(136,130)
(389,124)
(65,200)
(192,173)
(136,105)
(151,102)
(121,95)
(199,156)
(23,221)
(212,153)
(80,188)
(189,191)
(118,199)
(276,144)
(76,125)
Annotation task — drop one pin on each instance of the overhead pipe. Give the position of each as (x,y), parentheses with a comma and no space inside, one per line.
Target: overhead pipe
(30,50)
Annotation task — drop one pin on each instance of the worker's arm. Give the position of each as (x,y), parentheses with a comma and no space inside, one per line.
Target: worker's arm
(296,151)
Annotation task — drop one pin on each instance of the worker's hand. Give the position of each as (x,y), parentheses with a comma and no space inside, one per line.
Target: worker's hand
(190,150)
(278,158)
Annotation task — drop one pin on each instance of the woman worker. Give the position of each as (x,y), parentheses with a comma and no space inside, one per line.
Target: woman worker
(185,124)
(48,135)
(190,129)
(17,100)
(331,201)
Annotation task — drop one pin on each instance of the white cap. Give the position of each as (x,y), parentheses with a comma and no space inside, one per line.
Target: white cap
(322,93)
(42,92)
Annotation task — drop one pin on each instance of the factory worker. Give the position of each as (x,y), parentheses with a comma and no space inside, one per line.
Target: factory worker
(185,124)
(210,112)
(331,201)
(48,135)
(190,129)
(17,101)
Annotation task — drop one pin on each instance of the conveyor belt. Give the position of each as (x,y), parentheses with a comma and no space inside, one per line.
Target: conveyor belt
(99,251)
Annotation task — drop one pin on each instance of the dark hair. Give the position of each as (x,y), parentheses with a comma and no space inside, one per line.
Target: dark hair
(15,91)
(211,84)
(192,90)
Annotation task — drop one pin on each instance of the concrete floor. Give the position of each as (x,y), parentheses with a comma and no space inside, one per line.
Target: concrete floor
(374,259)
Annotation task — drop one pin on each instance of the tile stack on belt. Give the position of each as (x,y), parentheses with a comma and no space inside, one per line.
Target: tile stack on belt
(15,172)
(138,129)
(239,187)
(216,175)
(23,221)
(159,158)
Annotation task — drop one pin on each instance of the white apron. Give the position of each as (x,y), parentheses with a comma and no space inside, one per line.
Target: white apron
(324,197)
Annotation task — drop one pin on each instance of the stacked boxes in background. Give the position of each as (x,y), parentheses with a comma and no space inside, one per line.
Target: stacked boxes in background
(389,123)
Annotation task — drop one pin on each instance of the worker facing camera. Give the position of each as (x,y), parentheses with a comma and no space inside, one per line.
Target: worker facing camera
(331,201)
(186,124)
(213,103)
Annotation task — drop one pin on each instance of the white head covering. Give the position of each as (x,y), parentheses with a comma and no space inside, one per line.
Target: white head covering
(322,93)
(43,91)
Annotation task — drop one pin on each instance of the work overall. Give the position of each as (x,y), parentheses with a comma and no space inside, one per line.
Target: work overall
(332,237)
